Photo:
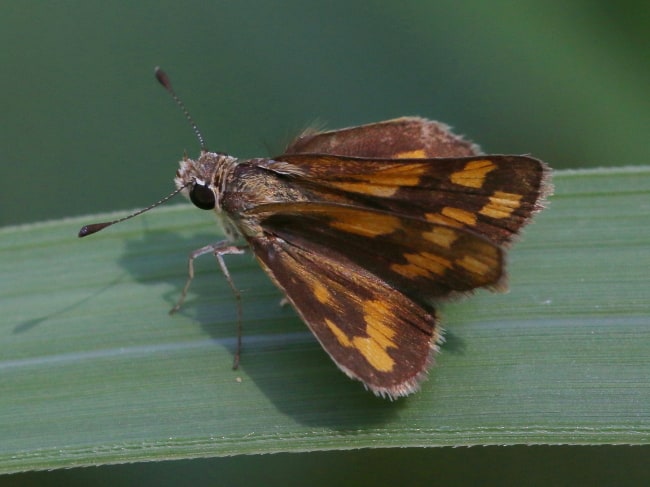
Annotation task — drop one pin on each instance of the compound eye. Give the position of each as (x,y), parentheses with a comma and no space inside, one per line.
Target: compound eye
(202,197)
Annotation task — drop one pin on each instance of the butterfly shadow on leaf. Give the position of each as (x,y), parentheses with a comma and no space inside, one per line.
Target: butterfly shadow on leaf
(278,352)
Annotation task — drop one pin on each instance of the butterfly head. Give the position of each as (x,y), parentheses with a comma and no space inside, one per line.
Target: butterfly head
(200,179)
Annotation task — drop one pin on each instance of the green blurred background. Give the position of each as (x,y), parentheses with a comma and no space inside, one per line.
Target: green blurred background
(87,129)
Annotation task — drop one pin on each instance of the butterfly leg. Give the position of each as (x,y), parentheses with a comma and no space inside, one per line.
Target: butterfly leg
(218,249)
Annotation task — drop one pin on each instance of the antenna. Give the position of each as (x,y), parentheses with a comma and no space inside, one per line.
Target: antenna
(96,227)
(163,79)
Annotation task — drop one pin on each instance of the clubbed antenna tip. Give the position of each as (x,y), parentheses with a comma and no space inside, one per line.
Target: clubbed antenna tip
(96,227)
(163,79)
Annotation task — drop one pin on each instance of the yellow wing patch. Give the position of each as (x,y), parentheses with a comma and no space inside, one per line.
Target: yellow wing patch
(442,236)
(442,220)
(380,336)
(461,216)
(422,264)
(473,174)
(383,191)
(501,205)
(321,293)
(474,265)
(369,226)
(384,182)
(411,154)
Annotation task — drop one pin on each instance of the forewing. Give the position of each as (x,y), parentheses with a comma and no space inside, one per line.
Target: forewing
(372,331)
(494,195)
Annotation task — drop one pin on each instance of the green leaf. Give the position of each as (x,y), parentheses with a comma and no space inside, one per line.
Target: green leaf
(94,370)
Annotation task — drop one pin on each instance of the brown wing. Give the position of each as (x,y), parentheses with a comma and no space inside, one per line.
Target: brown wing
(373,332)
(424,260)
(406,137)
(494,195)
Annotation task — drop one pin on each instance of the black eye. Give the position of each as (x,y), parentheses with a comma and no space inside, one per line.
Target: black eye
(202,197)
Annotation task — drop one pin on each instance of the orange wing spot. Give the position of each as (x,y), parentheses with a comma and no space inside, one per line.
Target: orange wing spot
(369,226)
(378,317)
(373,347)
(374,354)
(383,191)
(442,220)
(441,236)
(321,292)
(410,271)
(338,333)
(411,154)
(474,265)
(422,264)
(380,335)
(462,216)
(501,205)
(399,174)
(384,182)
(473,174)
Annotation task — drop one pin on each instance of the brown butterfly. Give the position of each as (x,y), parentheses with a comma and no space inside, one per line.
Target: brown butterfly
(365,228)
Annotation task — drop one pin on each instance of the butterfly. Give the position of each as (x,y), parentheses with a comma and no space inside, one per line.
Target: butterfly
(365,229)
